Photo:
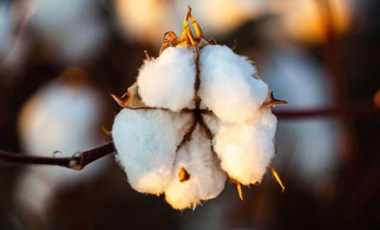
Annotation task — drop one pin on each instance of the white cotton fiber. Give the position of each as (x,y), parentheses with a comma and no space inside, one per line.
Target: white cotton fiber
(246,149)
(228,87)
(212,122)
(168,81)
(146,142)
(206,178)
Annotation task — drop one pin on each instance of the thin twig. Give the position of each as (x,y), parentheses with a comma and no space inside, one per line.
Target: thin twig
(362,109)
(77,162)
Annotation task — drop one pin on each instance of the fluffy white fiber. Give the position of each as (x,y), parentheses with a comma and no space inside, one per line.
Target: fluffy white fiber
(228,87)
(206,178)
(168,81)
(146,142)
(246,149)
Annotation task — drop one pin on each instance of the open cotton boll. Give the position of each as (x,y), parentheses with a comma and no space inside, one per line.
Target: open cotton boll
(206,179)
(228,87)
(168,81)
(146,142)
(246,149)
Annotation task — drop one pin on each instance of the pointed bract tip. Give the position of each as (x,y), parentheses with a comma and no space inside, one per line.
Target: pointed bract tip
(118,100)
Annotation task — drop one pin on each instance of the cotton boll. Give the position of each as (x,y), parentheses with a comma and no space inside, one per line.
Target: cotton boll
(6,25)
(246,149)
(72,29)
(146,142)
(228,87)
(168,81)
(221,17)
(218,17)
(13,46)
(59,117)
(206,179)
(305,21)
(310,147)
(147,20)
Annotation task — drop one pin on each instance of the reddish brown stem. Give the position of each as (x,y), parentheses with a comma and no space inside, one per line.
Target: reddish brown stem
(77,162)
(362,109)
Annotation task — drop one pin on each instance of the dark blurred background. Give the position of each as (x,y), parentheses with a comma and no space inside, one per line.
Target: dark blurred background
(59,60)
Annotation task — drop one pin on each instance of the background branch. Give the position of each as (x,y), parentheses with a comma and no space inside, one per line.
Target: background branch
(340,111)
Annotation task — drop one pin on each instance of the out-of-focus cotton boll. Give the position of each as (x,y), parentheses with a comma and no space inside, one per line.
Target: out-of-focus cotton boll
(12,46)
(60,117)
(5,29)
(206,179)
(148,20)
(245,150)
(307,20)
(312,144)
(72,28)
(145,21)
(168,81)
(64,117)
(228,86)
(220,17)
(146,142)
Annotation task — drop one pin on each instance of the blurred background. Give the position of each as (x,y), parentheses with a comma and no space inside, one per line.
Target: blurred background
(59,60)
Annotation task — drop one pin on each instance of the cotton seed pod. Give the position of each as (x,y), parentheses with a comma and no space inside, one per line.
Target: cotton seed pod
(146,141)
(168,81)
(196,113)
(205,178)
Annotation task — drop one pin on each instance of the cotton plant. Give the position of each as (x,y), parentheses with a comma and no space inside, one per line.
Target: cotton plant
(197,115)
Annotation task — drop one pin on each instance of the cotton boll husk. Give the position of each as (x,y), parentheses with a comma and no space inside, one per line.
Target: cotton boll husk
(206,180)
(246,149)
(228,87)
(146,142)
(168,81)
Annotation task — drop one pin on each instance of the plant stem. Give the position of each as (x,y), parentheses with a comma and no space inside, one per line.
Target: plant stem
(77,162)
